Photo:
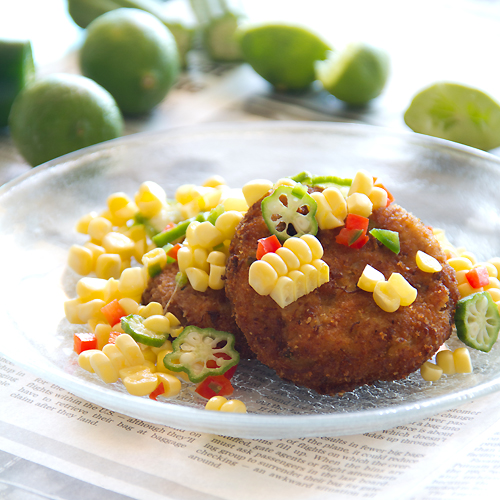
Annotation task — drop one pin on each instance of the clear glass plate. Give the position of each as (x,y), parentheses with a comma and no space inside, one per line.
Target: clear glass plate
(446,185)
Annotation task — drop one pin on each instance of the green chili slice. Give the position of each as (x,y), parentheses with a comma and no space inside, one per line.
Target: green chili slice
(133,324)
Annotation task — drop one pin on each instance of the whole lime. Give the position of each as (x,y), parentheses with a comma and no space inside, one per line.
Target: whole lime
(132,55)
(355,75)
(282,54)
(62,113)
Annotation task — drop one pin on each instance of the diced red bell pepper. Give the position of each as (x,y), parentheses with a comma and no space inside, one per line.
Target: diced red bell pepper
(354,221)
(215,385)
(113,336)
(173,251)
(353,238)
(229,374)
(113,312)
(266,245)
(84,342)
(478,277)
(360,242)
(159,390)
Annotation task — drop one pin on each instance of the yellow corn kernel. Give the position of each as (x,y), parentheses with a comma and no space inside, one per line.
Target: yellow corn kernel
(427,263)
(284,291)
(116,201)
(140,248)
(108,265)
(461,276)
(299,281)
(200,256)
(82,226)
(336,202)
(171,384)
(130,306)
(362,183)
(215,403)
(233,199)
(132,282)
(184,193)
(80,259)
(496,262)
(185,258)
(495,294)
(126,213)
(378,197)
(140,383)
(215,281)
(493,283)
(284,181)
(431,372)
(234,406)
(324,215)
(289,258)
(276,262)
(96,251)
(449,252)
(130,349)
(445,361)
(470,256)
(160,367)
(150,364)
(311,275)
(460,263)
(302,248)
(262,277)
(314,245)
(91,309)
(98,228)
(155,259)
(386,297)
(151,309)
(463,363)
(466,289)
(369,278)
(173,320)
(114,242)
(111,291)
(207,235)
(148,354)
(255,190)
(150,198)
(101,332)
(198,279)
(93,322)
(117,328)
(359,204)
(91,288)
(191,239)
(71,311)
(226,223)
(157,323)
(103,367)
(216,258)
(115,356)
(214,181)
(406,292)
(323,271)
(84,359)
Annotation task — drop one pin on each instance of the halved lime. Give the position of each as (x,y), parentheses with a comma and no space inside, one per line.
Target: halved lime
(355,75)
(457,113)
(282,54)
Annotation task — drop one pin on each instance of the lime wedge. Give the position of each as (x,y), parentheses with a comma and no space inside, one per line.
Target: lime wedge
(282,54)
(457,113)
(355,75)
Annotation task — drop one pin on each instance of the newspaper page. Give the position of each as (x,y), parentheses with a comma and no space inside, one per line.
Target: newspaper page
(43,423)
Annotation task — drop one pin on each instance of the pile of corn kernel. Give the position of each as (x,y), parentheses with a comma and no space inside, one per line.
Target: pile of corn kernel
(294,270)
(461,261)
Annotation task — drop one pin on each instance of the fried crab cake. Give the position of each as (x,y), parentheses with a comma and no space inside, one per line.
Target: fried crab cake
(336,338)
(210,309)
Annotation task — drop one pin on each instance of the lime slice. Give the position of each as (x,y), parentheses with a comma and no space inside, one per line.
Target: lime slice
(457,113)
(284,55)
(16,70)
(355,75)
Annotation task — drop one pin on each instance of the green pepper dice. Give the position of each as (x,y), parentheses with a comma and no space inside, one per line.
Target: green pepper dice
(201,352)
(133,324)
(478,321)
(388,238)
(290,211)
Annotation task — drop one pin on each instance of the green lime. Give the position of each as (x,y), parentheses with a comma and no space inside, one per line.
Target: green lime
(16,71)
(355,75)
(62,113)
(457,113)
(284,55)
(132,55)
